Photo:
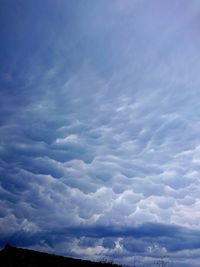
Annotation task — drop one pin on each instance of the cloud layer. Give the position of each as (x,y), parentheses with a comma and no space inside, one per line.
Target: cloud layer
(100,134)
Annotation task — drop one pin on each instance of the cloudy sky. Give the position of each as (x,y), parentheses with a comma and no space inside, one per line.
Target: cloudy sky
(100,128)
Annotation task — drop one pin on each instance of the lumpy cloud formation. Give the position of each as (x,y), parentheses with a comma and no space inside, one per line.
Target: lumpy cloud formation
(100,132)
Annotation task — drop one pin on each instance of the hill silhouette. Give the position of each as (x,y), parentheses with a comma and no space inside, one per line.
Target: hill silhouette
(17,257)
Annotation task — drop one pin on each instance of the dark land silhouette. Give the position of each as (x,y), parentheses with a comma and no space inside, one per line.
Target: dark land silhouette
(17,257)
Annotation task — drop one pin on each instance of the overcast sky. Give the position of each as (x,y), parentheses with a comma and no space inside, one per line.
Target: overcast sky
(100,128)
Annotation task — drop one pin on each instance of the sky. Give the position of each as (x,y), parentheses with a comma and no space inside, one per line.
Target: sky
(100,129)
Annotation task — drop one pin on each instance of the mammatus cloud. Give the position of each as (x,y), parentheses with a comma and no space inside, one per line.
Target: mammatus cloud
(100,134)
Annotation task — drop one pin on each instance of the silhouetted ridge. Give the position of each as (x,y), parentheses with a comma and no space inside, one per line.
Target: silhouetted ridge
(17,257)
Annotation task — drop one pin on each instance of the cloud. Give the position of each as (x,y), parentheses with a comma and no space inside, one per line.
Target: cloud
(147,241)
(100,131)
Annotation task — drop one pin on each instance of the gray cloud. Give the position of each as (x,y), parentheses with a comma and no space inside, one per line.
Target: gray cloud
(104,134)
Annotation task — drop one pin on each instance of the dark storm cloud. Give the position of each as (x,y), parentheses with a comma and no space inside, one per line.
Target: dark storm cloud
(148,239)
